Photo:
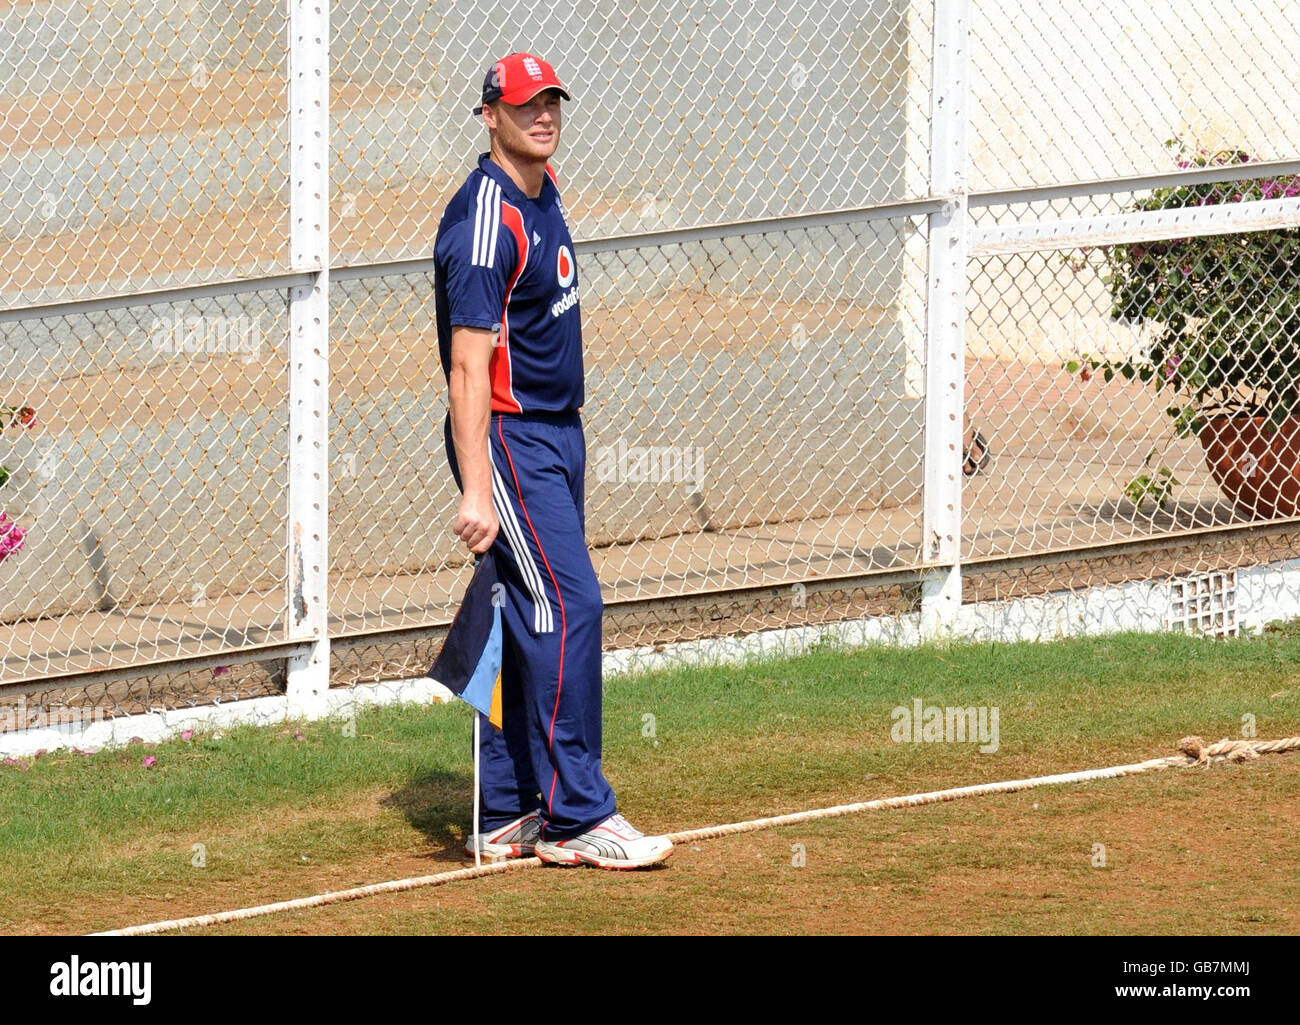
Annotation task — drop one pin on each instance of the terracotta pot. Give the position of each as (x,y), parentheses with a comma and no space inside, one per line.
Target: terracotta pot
(1256,466)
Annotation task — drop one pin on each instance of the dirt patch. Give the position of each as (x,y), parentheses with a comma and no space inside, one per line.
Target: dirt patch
(1187,851)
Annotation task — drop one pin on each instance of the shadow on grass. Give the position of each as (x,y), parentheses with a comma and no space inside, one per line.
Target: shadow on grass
(439,805)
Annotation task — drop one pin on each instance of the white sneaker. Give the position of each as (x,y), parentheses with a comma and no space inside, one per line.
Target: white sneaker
(615,843)
(513,840)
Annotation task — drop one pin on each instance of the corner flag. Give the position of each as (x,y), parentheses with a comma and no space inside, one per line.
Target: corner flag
(469,664)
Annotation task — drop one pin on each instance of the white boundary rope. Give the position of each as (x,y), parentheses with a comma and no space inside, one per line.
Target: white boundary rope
(1194,751)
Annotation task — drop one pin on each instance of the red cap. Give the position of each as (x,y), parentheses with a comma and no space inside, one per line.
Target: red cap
(517,79)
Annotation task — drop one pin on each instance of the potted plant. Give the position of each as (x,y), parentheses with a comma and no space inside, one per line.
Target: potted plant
(1224,315)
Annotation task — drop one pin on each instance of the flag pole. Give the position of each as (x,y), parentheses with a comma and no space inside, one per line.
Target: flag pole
(478,840)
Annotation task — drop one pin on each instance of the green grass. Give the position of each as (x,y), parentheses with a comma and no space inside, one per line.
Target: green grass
(280,817)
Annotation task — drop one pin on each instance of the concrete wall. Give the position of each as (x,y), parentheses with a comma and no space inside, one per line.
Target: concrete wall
(722,113)
(1092,90)
(719,113)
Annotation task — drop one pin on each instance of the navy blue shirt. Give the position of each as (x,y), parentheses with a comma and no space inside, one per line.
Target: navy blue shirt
(505,262)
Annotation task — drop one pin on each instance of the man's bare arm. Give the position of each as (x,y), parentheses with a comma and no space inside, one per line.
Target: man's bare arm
(471,416)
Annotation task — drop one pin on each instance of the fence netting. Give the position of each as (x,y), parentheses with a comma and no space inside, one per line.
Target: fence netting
(1094,90)
(750,192)
(143,145)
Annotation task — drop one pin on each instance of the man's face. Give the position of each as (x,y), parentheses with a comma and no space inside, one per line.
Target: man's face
(530,131)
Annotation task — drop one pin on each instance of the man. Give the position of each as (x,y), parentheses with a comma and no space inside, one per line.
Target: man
(511,347)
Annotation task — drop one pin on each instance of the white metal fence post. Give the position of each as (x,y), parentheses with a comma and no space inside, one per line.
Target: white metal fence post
(308,606)
(946,320)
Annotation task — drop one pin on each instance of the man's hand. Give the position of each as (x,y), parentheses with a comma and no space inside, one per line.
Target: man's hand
(476,523)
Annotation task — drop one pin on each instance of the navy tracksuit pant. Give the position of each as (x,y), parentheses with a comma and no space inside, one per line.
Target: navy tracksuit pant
(547,756)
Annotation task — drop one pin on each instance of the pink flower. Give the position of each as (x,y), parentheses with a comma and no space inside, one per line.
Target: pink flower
(27,417)
(150,761)
(11,536)
(1171,366)
(187,734)
(219,670)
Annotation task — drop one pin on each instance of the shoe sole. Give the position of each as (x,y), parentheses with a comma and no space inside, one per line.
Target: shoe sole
(576,859)
(493,853)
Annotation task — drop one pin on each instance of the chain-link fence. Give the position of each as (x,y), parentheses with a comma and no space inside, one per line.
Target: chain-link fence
(144,146)
(766,203)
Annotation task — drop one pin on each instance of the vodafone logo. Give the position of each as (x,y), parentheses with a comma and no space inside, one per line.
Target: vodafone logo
(564,267)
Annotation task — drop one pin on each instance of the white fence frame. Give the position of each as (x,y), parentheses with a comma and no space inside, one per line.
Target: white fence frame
(952,242)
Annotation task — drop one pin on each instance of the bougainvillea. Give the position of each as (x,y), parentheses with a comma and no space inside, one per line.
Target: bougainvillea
(11,534)
(1225,308)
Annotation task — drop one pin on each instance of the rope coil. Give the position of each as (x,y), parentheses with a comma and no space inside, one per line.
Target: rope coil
(1234,750)
(1193,751)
